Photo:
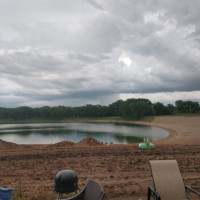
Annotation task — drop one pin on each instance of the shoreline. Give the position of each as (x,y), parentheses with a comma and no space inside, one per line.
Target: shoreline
(182,129)
(122,169)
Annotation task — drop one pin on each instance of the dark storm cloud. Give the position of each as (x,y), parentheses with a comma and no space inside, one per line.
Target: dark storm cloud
(79,52)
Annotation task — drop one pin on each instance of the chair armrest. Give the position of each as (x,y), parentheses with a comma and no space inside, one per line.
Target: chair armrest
(102,196)
(192,190)
(153,193)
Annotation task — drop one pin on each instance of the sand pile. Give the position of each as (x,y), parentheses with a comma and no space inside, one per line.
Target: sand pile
(62,144)
(85,142)
(89,141)
(7,145)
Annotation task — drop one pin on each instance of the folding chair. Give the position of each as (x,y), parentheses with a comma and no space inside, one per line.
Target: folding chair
(168,181)
(92,191)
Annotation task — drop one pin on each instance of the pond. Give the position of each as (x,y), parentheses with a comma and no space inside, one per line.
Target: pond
(49,133)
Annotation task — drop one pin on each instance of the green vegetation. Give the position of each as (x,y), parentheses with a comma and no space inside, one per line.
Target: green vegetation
(131,109)
(117,194)
(148,119)
(47,120)
(18,193)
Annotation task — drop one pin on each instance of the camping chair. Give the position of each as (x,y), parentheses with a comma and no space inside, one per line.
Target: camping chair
(92,191)
(168,182)
(6,193)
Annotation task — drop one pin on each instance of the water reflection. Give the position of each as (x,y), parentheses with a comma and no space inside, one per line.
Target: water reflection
(46,133)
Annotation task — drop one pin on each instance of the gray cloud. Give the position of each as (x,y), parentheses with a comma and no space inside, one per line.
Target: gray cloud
(80,52)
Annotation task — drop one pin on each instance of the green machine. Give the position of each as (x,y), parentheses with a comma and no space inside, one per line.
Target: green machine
(146,144)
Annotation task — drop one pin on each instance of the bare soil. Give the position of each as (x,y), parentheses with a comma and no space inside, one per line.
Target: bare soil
(123,170)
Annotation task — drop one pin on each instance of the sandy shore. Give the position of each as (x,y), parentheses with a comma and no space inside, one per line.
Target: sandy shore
(123,170)
(183,130)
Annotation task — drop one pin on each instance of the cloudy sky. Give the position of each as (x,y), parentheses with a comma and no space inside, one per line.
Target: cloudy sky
(77,52)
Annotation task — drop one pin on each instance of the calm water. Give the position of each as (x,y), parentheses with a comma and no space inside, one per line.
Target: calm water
(49,133)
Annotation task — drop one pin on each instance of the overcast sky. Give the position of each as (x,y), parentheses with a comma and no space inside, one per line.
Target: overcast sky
(77,52)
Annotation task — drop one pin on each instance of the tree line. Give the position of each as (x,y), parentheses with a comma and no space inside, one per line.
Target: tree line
(128,109)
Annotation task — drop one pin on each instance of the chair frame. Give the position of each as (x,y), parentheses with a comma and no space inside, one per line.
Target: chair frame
(153,193)
(80,196)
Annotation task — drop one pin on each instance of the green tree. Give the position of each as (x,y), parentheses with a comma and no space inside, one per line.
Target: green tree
(23,112)
(171,108)
(187,106)
(160,109)
(115,109)
(137,108)
(46,112)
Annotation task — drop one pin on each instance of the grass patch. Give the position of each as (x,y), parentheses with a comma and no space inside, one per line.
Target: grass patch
(44,120)
(117,194)
(34,120)
(84,119)
(93,118)
(18,194)
(147,119)
(66,196)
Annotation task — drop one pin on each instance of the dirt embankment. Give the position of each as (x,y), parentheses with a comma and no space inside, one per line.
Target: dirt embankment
(123,170)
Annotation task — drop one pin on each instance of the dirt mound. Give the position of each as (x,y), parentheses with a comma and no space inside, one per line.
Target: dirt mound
(89,141)
(61,144)
(7,145)
(85,142)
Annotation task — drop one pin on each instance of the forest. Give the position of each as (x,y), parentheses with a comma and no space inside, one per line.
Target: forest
(128,109)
